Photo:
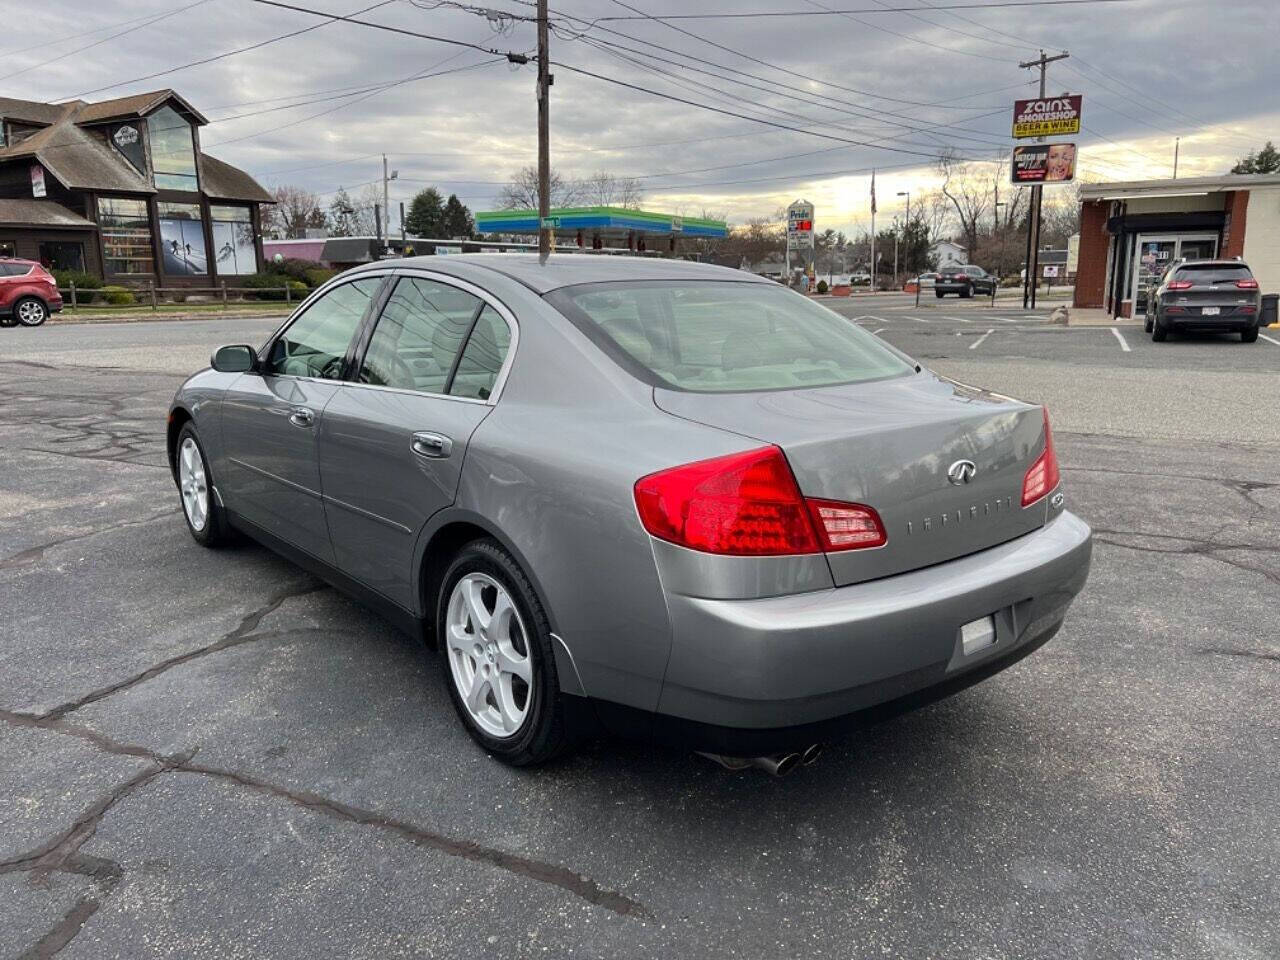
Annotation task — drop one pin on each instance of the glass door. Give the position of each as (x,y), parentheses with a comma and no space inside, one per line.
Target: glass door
(1153,255)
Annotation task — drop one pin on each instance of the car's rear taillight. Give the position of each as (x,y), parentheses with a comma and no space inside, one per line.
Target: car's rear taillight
(1180,285)
(1247,284)
(748,504)
(1043,475)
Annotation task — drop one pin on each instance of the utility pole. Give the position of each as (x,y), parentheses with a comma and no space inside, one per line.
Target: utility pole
(1176,141)
(384,236)
(1033,225)
(544,134)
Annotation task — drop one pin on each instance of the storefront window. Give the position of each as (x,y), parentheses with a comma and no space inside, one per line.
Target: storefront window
(182,239)
(234,251)
(126,236)
(173,153)
(56,255)
(7,249)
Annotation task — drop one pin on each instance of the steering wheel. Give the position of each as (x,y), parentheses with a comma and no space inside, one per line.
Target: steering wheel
(332,368)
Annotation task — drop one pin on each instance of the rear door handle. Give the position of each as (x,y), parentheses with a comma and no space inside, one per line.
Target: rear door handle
(434,445)
(302,417)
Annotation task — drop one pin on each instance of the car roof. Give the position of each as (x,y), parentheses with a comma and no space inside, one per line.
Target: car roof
(1212,262)
(568,269)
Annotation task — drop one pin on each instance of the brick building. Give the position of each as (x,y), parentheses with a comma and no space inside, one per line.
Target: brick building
(121,189)
(1130,231)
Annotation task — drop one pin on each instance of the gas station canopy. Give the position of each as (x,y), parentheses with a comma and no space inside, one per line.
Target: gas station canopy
(593,225)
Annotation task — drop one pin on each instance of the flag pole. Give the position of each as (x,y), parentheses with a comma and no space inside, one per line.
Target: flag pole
(873,231)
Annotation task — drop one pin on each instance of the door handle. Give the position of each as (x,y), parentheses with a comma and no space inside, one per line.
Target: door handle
(302,417)
(435,445)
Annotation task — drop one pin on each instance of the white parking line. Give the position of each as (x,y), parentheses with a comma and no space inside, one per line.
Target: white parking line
(977,343)
(961,319)
(1269,340)
(880,331)
(1002,319)
(920,319)
(1123,344)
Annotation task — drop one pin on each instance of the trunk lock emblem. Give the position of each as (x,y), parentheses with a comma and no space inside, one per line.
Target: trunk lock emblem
(961,472)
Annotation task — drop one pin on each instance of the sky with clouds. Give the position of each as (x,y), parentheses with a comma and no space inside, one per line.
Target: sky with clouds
(318,106)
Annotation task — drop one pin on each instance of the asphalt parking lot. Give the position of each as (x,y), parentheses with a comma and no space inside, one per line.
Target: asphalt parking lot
(210,754)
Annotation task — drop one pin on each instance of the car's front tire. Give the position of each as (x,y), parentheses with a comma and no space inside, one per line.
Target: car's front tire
(30,311)
(498,663)
(206,520)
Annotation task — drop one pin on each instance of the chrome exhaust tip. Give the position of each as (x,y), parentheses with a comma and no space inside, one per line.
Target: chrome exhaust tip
(778,765)
(811,754)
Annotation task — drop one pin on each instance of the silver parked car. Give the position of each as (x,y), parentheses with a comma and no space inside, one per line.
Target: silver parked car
(646,497)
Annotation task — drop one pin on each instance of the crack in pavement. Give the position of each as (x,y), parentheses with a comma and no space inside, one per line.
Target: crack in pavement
(1250,654)
(525,867)
(1245,488)
(242,633)
(35,554)
(1192,547)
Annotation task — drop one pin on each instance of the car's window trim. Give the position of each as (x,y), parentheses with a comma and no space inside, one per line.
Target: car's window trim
(486,299)
(307,304)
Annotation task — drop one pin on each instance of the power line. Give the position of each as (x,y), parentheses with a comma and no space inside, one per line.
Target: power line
(758,14)
(906,36)
(223,56)
(76,36)
(87,46)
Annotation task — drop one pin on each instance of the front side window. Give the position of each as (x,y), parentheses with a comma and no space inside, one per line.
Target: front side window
(182,239)
(234,251)
(315,343)
(125,226)
(725,336)
(419,336)
(173,151)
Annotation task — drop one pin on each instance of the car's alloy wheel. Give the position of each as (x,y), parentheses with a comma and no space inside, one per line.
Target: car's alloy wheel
(488,650)
(31,312)
(193,481)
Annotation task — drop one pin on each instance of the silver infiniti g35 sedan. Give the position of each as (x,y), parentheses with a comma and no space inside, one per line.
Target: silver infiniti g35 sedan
(643,497)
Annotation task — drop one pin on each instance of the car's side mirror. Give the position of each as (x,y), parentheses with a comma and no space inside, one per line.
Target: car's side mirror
(236,358)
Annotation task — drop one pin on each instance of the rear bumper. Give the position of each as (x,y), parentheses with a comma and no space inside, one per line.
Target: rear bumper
(1198,322)
(951,287)
(750,676)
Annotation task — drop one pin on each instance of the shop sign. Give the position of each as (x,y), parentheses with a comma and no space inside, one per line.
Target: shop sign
(1051,271)
(1036,163)
(799,225)
(677,225)
(37,181)
(1047,117)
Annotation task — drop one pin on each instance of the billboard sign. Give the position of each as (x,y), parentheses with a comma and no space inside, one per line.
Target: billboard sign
(800,225)
(1036,163)
(37,180)
(1047,117)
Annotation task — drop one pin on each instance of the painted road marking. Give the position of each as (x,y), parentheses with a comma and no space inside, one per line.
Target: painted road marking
(1123,344)
(920,319)
(880,331)
(1002,319)
(1269,340)
(961,319)
(977,343)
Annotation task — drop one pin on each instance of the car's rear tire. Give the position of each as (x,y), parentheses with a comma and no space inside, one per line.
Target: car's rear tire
(966,293)
(1250,335)
(938,294)
(206,520)
(1159,332)
(497,660)
(30,311)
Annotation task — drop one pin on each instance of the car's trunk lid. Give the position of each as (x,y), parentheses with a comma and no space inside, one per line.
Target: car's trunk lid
(889,445)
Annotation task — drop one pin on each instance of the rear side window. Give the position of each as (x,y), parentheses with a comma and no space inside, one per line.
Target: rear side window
(14,269)
(1211,273)
(418,336)
(724,336)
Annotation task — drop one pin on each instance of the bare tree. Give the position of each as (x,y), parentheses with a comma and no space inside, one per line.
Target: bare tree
(603,189)
(294,212)
(969,189)
(522,192)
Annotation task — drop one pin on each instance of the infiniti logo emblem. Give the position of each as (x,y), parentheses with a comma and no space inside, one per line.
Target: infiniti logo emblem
(961,472)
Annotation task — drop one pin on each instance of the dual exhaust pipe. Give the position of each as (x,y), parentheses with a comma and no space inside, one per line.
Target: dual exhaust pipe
(776,765)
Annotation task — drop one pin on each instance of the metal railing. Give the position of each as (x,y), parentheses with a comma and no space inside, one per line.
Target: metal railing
(153,297)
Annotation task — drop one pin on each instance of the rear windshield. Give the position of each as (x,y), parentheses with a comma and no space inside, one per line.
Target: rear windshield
(722,337)
(1210,273)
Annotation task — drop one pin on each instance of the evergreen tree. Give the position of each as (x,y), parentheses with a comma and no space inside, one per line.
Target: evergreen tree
(458,224)
(426,215)
(342,215)
(1266,160)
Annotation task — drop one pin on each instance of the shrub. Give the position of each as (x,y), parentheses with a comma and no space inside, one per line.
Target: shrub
(85,284)
(318,276)
(822,286)
(118,296)
(296,269)
(267,286)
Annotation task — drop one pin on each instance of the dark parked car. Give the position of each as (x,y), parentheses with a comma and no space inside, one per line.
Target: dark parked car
(672,499)
(28,293)
(1212,295)
(964,281)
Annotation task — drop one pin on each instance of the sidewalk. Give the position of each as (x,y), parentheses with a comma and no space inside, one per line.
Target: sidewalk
(1085,317)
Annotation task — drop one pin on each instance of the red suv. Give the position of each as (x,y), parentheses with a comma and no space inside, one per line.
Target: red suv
(28,292)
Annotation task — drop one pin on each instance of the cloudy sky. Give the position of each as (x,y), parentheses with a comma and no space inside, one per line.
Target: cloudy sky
(316,102)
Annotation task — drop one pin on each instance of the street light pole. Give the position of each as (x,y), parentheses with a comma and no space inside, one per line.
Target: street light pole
(544,134)
(1000,265)
(907,194)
